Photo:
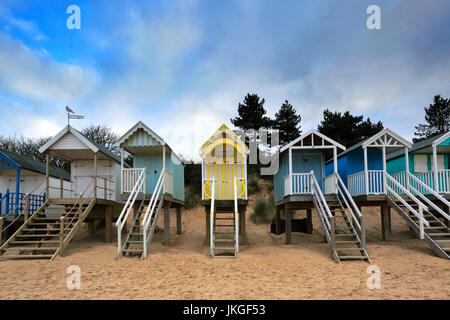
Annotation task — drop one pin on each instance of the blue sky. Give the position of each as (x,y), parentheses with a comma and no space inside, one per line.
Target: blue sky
(183,66)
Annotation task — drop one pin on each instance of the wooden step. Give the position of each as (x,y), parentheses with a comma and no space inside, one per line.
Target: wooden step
(29,256)
(135,250)
(134,242)
(224,248)
(349,249)
(36,229)
(224,218)
(438,234)
(34,242)
(352,257)
(349,241)
(34,248)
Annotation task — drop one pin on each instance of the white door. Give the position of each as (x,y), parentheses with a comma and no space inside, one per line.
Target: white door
(420,163)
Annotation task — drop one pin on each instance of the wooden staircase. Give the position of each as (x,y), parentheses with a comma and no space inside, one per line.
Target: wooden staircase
(134,243)
(47,232)
(437,234)
(224,233)
(346,244)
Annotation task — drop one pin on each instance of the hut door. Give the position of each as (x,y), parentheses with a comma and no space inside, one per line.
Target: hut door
(224,174)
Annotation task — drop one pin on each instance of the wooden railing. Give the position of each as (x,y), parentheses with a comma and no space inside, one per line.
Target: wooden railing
(428,181)
(300,182)
(103,190)
(357,183)
(129,179)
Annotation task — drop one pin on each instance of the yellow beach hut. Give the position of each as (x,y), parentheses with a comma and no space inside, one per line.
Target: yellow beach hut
(224,191)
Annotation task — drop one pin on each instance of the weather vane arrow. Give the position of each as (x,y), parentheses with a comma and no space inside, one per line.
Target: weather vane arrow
(71,115)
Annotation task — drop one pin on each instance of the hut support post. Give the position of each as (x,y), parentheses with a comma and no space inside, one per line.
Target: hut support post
(384,221)
(178,220)
(61,188)
(16,204)
(166,225)
(288,225)
(309,225)
(108,223)
(366,172)
(95,176)
(290,172)
(407,168)
(207,226)
(435,169)
(335,160)
(384,168)
(278,220)
(47,175)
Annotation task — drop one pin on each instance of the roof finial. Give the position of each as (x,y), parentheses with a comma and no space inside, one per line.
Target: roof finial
(72,116)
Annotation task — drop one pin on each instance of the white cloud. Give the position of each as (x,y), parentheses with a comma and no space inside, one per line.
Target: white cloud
(35,75)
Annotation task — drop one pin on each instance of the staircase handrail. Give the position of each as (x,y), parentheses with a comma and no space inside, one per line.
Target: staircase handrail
(150,211)
(345,194)
(236,215)
(420,205)
(23,210)
(211,217)
(433,192)
(127,209)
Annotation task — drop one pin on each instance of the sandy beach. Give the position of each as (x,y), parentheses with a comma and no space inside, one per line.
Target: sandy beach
(264,269)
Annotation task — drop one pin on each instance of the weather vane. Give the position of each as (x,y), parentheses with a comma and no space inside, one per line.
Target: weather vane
(72,116)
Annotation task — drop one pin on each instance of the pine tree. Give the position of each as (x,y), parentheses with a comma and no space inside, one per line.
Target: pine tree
(287,121)
(251,114)
(346,128)
(437,116)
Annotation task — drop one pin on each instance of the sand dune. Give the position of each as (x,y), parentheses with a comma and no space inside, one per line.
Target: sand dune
(264,269)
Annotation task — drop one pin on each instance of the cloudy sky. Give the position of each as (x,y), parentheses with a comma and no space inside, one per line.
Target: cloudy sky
(183,66)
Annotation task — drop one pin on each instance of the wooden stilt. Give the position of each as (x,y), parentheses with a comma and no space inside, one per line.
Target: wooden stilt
(178,220)
(278,220)
(309,225)
(288,225)
(1,229)
(242,226)
(166,240)
(206,226)
(384,221)
(108,223)
(389,220)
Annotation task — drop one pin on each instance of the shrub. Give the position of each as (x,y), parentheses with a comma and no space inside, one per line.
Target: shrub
(252,185)
(262,212)
(192,198)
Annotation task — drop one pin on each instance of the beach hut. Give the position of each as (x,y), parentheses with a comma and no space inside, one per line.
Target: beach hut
(224,191)
(364,170)
(94,195)
(155,181)
(301,184)
(20,175)
(362,166)
(429,161)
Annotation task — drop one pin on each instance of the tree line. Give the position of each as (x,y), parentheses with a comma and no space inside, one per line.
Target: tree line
(343,127)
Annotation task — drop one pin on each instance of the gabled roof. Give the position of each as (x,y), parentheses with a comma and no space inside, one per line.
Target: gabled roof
(224,128)
(368,140)
(312,132)
(435,140)
(150,132)
(92,145)
(441,139)
(33,165)
(136,127)
(397,140)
